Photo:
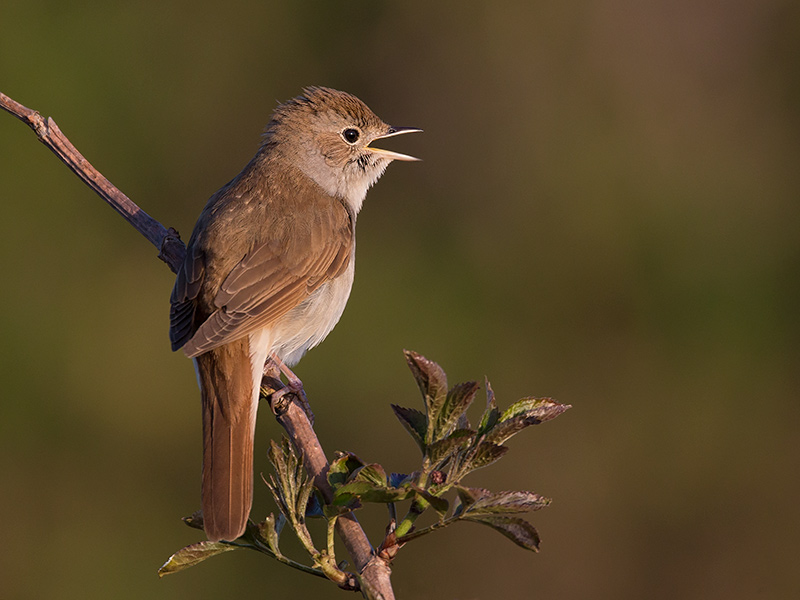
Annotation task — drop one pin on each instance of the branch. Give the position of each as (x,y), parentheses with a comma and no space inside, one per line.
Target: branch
(167,241)
(374,571)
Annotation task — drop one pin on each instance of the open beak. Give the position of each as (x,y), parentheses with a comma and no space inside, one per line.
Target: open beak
(388,153)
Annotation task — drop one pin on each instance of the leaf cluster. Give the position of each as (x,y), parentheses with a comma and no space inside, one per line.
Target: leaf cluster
(452,448)
(294,493)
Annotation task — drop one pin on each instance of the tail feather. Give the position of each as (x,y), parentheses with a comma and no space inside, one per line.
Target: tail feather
(226,384)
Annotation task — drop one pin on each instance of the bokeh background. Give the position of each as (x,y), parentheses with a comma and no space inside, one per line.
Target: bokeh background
(607,214)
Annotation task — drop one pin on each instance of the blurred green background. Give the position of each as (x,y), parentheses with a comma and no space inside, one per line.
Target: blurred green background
(607,213)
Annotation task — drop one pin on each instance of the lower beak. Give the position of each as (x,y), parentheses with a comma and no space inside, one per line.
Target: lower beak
(393,131)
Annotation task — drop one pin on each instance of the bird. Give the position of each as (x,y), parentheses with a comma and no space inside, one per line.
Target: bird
(267,273)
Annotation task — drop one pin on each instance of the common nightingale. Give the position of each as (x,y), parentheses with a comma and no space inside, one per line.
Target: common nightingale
(267,274)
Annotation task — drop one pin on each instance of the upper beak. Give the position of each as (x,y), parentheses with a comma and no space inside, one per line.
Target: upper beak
(388,153)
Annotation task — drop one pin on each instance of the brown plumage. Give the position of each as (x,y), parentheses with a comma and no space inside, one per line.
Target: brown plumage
(268,270)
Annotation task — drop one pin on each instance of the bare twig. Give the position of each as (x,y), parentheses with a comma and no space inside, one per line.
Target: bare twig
(375,572)
(171,248)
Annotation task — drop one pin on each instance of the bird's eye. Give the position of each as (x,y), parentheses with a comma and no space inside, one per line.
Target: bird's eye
(351,135)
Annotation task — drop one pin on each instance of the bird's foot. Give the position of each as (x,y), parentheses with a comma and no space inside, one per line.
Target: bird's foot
(275,392)
(281,397)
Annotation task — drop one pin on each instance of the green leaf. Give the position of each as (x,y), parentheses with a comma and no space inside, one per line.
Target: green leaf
(369,492)
(274,486)
(432,382)
(516,529)
(343,500)
(386,495)
(480,501)
(439,504)
(291,486)
(342,467)
(415,422)
(303,499)
(372,473)
(268,533)
(522,414)
(469,495)
(454,408)
(191,555)
(491,415)
(486,454)
(441,450)
(283,484)
(542,409)
(369,483)
(506,429)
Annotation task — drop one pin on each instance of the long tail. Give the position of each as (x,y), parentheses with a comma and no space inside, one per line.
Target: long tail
(229,419)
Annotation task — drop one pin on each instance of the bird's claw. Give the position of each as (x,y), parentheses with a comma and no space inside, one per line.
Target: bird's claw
(281,396)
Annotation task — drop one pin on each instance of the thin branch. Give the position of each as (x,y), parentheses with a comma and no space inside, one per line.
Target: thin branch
(167,241)
(374,572)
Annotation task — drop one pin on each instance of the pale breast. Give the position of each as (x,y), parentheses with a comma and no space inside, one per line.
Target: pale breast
(311,321)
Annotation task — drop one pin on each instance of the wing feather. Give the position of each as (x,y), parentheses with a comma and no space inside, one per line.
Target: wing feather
(182,301)
(270,280)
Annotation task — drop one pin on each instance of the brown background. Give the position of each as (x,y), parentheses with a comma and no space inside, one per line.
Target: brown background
(607,213)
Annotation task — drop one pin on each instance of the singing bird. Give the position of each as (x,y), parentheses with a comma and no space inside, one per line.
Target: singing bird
(267,274)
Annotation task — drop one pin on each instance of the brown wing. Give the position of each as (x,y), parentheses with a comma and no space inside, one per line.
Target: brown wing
(184,296)
(271,279)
